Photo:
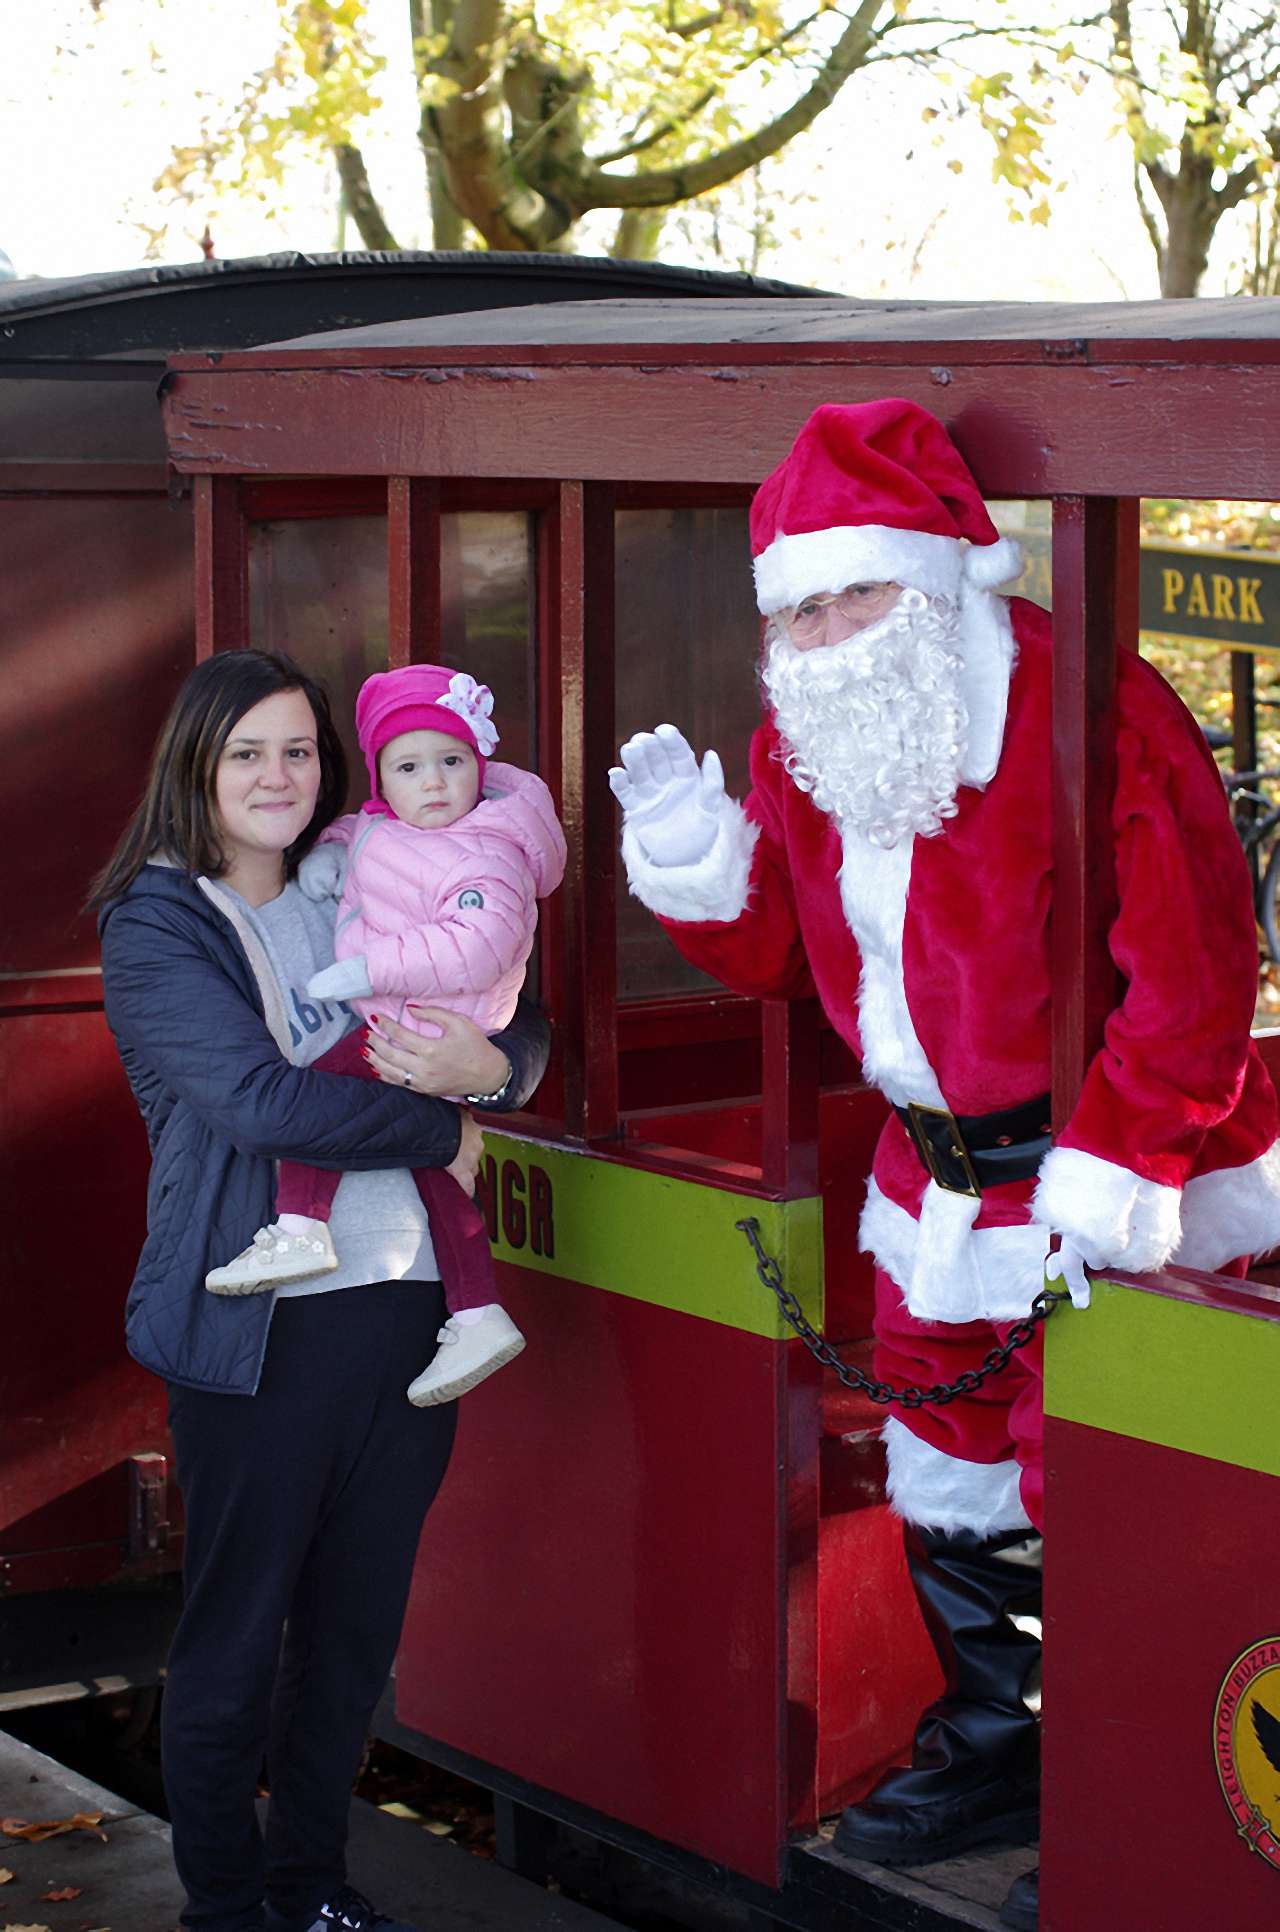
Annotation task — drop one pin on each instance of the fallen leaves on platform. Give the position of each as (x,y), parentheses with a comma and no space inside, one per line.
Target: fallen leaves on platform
(445,1806)
(6,1876)
(35,1833)
(60,1894)
(24,1928)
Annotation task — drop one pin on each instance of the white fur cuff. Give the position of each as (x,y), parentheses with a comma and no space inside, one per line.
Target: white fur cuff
(1231,1212)
(714,888)
(948,1270)
(1116,1218)
(936,1491)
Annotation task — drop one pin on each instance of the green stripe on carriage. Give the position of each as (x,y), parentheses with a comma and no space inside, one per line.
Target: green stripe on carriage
(1170,1372)
(649,1236)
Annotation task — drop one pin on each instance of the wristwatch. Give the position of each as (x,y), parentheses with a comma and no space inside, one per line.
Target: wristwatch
(492,1099)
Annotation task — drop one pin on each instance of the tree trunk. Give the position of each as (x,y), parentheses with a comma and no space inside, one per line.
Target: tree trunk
(1185,254)
(448,229)
(360,201)
(638,234)
(1191,214)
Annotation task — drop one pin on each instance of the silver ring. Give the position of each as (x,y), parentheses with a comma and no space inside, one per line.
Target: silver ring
(408,1080)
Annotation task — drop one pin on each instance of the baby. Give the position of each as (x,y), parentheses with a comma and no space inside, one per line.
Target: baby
(440,874)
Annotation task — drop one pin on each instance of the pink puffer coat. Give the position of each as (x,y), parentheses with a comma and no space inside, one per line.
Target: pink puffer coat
(447,915)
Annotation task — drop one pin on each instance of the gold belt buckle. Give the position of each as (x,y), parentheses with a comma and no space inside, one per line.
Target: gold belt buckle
(957,1150)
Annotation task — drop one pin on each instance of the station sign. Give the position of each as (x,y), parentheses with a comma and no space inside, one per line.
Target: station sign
(1196,596)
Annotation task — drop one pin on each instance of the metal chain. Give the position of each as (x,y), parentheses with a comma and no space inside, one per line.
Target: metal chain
(912,1397)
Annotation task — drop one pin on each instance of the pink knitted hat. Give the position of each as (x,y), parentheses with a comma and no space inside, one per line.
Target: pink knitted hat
(424,697)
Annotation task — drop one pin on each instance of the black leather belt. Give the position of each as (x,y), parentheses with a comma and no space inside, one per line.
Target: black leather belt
(966,1152)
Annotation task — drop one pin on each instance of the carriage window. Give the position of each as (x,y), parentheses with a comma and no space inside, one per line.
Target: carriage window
(318,590)
(687,641)
(487,624)
(1030,521)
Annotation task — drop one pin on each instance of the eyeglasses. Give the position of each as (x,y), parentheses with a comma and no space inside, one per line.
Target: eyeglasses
(858,604)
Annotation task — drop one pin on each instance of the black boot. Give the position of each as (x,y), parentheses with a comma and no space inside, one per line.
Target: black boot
(974,1772)
(1021,1910)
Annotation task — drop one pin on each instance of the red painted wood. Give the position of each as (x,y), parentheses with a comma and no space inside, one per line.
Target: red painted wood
(1095,606)
(790,1111)
(644,1669)
(1117,429)
(73,1403)
(611,1543)
(507,361)
(83,479)
(1161,1572)
(414,575)
(222,567)
(583,559)
(346,496)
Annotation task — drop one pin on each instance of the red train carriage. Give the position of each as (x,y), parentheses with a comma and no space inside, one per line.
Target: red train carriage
(664,1534)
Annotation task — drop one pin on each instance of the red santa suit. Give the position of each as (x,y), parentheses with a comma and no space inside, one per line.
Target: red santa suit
(932,960)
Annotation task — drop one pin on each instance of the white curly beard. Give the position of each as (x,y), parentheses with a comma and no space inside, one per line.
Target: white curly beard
(875,727)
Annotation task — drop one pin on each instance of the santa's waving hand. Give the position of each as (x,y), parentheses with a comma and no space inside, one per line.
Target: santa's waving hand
(672,804)
(895,855)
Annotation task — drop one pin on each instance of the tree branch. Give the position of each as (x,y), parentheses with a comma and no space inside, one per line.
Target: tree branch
(657,187)
(360,201)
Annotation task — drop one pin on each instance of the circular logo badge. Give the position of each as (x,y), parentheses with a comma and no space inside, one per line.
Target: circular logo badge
(1246,1746)
(470,900)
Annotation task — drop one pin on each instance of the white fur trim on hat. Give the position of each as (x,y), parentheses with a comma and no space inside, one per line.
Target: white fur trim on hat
(1231,1212)
(941,1492)
(819,562)
(1116,1218)
(714,888)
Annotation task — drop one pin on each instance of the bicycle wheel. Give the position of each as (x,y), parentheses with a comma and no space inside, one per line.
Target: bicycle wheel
(1270,907)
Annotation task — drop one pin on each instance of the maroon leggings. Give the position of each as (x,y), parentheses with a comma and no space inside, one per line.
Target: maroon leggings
(458,1232)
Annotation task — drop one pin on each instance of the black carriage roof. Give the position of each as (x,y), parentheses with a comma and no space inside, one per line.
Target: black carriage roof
(805,319)
(148,312)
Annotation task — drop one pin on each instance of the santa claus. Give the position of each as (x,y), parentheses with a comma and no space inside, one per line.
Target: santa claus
(895,854)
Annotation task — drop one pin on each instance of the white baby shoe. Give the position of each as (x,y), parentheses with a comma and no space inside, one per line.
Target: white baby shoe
(468,1352)
(276,1255)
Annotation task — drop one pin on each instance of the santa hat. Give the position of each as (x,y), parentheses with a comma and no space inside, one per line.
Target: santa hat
(873,493)
(423,697)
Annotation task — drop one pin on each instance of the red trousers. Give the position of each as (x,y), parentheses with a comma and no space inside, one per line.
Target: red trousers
(1003,1422)
(458,1232)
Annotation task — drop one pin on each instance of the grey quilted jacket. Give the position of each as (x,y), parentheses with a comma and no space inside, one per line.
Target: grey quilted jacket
(201,1046)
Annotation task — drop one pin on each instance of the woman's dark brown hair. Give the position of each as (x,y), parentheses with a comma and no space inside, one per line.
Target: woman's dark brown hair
(177,816)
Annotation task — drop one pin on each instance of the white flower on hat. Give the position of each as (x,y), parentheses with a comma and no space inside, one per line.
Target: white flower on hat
(472,702)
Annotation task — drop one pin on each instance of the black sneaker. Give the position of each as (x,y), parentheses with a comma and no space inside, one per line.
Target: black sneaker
(350,1911)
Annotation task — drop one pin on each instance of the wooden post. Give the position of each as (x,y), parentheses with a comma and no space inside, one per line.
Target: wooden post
(1244,739)
(1095,615)
(583,558)
(789,1083)
(413,569)
(221,567)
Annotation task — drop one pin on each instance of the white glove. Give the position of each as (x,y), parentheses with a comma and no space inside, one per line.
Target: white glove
(347,979)
(323,873)
(1067,1265)
(672,804)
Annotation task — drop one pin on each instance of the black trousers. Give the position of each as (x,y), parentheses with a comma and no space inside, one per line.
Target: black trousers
(304,1505)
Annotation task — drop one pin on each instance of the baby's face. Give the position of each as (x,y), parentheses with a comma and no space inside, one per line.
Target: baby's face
(428,778)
